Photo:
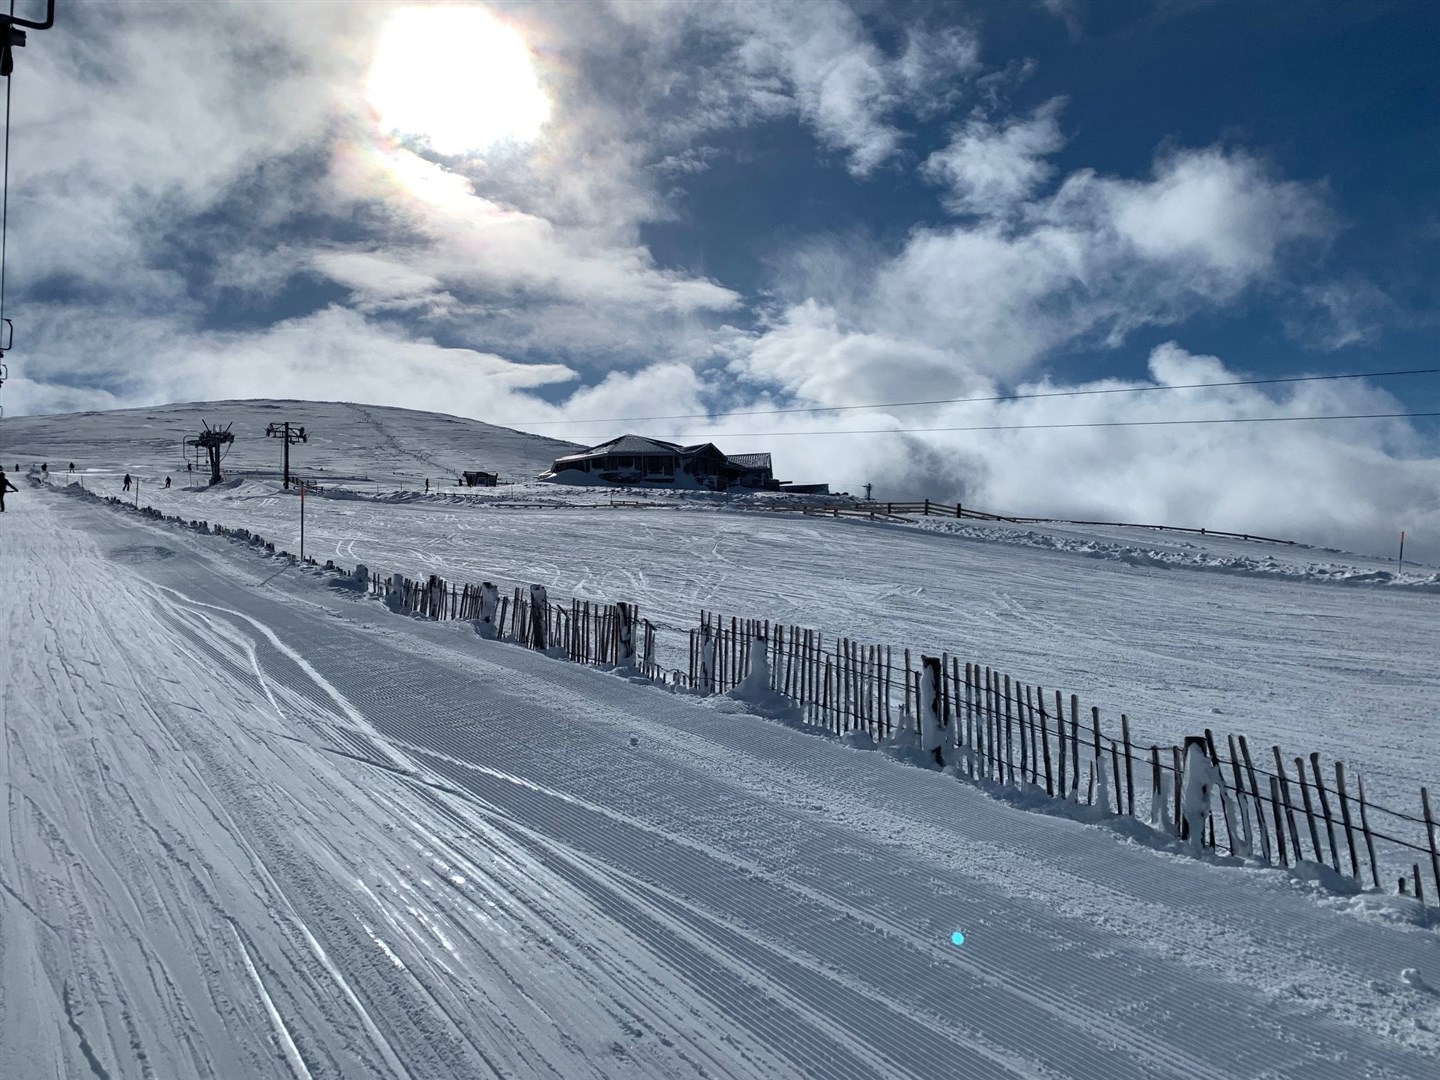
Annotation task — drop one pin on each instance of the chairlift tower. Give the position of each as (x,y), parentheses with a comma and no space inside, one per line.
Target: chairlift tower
(291,436)
(213,440)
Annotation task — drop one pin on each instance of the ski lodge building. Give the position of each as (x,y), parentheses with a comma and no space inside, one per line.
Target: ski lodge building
(636,460)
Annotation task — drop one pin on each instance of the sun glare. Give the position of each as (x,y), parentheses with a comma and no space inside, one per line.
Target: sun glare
(457,78)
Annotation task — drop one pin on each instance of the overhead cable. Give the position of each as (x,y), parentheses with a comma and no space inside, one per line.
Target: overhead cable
(1035,427)
(997,397)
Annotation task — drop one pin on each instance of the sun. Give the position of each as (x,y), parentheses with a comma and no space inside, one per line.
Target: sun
(457,78)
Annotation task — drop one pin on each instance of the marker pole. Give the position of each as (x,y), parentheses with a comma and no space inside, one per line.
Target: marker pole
(1401,567)
(302,521)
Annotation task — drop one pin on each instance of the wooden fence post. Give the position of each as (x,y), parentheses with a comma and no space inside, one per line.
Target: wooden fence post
(1325,806)
(1075,742)
(1009,767)
(1177,772)
(1365,828)
(1129,775)
(1345,814)
(1279,826)
(1296,853)
(1045,742)
(1158,803)
(1063,790)
(1254,792)
(1024,735)
(962,737)
(1429,840)
(1309,811)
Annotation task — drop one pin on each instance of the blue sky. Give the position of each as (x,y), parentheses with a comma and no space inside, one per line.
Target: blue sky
(543,214)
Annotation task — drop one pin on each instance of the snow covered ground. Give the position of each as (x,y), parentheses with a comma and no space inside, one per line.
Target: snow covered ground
(257,825)
(1346,671)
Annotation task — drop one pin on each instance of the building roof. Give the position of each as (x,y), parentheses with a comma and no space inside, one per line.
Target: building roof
(638,444)
(749,461)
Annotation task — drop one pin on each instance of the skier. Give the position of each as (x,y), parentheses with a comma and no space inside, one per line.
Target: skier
(72,466)
(127,482)
(167,481)
(5,485)
(427,485)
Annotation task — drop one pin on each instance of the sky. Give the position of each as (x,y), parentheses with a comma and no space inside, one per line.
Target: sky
(572,218)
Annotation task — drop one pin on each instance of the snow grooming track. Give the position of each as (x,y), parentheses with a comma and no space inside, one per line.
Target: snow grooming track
(623,911)
(748,964)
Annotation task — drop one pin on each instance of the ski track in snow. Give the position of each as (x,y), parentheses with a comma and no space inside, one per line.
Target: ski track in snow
(275,831)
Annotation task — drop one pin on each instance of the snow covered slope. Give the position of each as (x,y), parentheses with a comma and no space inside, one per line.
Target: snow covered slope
(257,826)
(1346,671)
(1308,649)
(385,444)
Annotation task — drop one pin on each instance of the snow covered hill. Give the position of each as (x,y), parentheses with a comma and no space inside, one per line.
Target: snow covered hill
(385,445)
(260,826)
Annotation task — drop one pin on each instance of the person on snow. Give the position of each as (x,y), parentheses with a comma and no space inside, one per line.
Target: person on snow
(5,485)
(427,485)
(127,482)
(72,466)
(167,481)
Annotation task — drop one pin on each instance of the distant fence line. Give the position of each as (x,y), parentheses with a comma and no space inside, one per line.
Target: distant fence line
(989,727)
(929,508)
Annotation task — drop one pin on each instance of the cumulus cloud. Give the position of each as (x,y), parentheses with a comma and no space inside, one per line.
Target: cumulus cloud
(990,168)
(809,355)
(1098,258)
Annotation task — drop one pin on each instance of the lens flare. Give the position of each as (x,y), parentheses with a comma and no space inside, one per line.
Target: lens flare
(456,79)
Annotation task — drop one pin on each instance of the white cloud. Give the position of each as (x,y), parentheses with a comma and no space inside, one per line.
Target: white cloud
(1222,211)
(1348,484)
(808,355)
(989,169)
(332,354)
(1100,257)
(769,58)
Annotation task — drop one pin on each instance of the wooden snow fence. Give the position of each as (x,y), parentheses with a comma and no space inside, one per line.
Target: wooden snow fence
(1002,731)
(583,631)
(993,728)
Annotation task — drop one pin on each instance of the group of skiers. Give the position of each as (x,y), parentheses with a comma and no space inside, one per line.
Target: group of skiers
(7,486)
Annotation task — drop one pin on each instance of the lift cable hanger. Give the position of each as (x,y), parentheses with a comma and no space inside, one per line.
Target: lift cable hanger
(12,38)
